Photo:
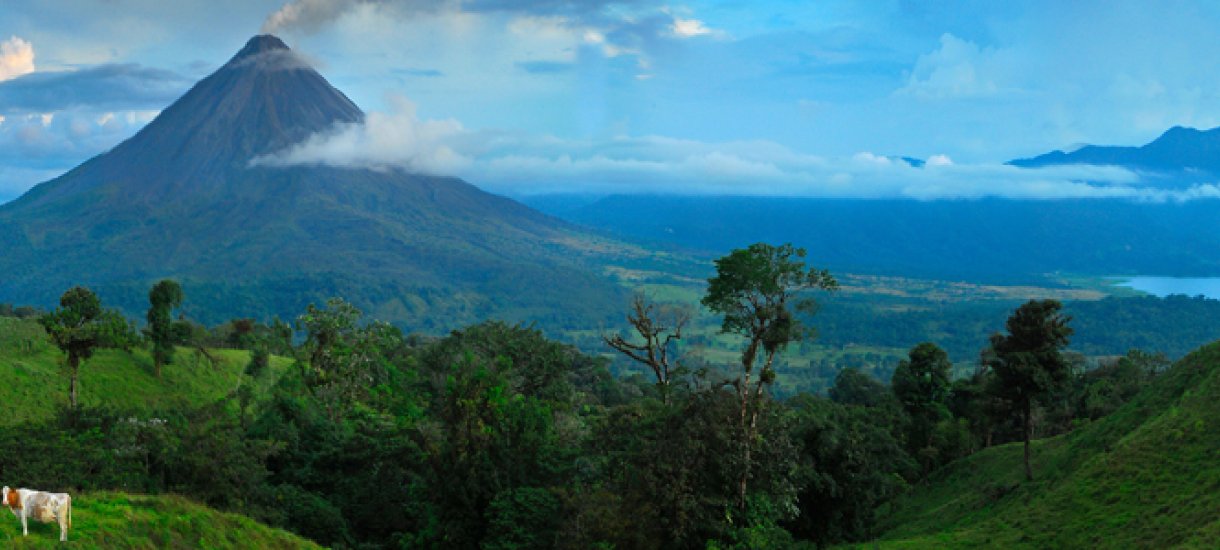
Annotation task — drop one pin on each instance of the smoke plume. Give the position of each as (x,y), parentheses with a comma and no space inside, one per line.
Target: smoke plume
(307,15)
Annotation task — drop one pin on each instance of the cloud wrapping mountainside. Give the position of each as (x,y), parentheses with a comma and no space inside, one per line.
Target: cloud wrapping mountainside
(521,164)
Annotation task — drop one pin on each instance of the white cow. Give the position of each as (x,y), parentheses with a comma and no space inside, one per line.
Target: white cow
(40,505)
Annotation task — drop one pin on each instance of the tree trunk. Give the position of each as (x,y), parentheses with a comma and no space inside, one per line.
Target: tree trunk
(1029,473)
(74,367)
(746,442)
(743,393)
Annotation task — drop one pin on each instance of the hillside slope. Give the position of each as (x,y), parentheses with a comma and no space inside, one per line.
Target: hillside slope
(1148,476)
(34,382)
(118,520)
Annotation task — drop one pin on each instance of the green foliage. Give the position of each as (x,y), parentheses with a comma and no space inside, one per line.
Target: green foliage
(851,463)
(756,291)
(1028,362)
(163,298)
(495,436)
(347,361)
(752,289)
(672,471)
(853,387)
(1144,476)
(922,381)
(921,384)
(79,326)
(525,517)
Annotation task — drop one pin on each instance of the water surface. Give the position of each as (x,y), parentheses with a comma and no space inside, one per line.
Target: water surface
(1164,286)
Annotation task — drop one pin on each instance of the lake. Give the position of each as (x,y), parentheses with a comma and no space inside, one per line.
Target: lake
(1164,286)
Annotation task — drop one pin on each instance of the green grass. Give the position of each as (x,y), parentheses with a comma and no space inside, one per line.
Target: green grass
(34,380)
(1147,476)
(118,520)
(34,383)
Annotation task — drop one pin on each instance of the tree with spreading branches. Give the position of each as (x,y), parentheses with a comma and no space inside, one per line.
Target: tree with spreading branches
(79,326)
(759,291)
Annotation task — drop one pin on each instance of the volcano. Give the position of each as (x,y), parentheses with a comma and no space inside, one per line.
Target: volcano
(181,199)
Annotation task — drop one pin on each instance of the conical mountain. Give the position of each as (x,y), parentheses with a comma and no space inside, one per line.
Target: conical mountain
(181,199)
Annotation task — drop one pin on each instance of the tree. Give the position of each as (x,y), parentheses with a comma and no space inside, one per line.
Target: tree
(850,464)
(758,290)
(1028,361)
(348,361)
(659,326)
(163,298)
(80,326)
(921,383)
(853,387)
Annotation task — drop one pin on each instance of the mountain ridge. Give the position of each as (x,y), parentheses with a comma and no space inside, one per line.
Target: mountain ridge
(1177,152)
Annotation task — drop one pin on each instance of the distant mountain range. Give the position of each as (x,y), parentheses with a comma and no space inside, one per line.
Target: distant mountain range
(180,199)
(998,240)
(1180,154)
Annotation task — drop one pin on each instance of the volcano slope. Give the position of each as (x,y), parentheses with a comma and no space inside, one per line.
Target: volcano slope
(182,199)
(1147,476)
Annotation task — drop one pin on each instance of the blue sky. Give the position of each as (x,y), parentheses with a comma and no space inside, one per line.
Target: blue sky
(520,97)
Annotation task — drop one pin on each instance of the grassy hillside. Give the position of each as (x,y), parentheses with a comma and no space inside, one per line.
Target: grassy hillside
(34,380)
(117,520)
(1146,476)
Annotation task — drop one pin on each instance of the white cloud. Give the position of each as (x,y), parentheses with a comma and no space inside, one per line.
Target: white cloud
(16,58)
(687,28)
(958,69)
(522,164)
(395,139)
(939,160)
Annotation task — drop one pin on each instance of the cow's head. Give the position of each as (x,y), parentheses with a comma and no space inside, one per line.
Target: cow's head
(11,498)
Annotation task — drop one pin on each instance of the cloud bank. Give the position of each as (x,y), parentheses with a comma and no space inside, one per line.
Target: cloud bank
(521,164)
(103,87)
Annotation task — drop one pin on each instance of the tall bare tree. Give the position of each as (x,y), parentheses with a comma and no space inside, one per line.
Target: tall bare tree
(659,325)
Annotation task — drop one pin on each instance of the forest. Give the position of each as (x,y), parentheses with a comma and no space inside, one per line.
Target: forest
(353,434)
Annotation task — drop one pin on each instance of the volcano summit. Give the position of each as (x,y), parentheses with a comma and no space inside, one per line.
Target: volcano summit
(181,199)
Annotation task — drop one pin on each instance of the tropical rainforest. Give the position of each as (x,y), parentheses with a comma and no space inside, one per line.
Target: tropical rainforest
(350,433)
